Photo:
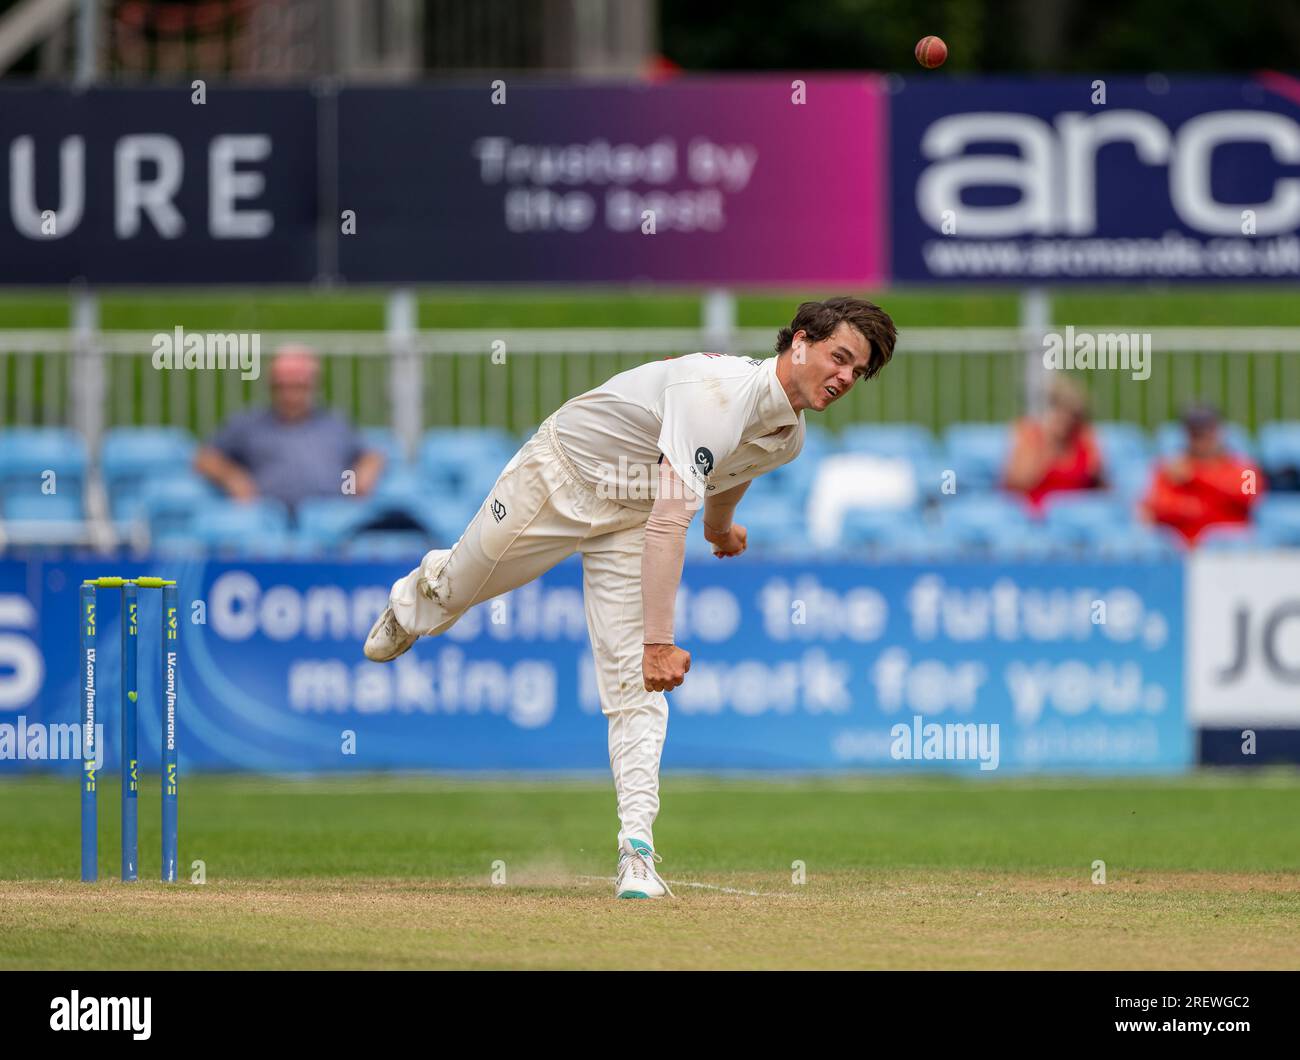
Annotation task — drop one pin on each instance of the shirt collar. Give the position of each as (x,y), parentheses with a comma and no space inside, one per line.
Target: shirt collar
(773,409)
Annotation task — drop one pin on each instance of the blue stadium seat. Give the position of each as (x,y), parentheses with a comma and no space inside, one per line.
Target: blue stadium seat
(872,527)
(172,504)
(330,523)
(791,482)
(920,542)
(792,545)
(259,528)
(464,460)
(908,441)
(1035,541)
(1121,443)
(1279,516)
(385,441)
(450,518)
(177,546)
(404,482)
(1136,542)
(978,518)
(265,545)
(327,521)
(60,507)
(1130,480)
(770,518)
(1085,515)
(1171,439)
(1279,444)
(384,546)
(26,453)
(977,452)
(1236,537)
(698,548)
(933,474)
(134,456)
(818,442)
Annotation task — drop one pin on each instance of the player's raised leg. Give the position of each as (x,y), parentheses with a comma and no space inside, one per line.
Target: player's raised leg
(530,521)
(638,720)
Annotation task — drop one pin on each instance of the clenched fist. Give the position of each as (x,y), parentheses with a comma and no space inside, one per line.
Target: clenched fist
(664,666)
(729,542)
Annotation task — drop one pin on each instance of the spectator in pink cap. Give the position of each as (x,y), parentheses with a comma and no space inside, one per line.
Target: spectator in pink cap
(293,450)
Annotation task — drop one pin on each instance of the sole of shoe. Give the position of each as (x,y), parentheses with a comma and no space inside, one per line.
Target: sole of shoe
(385,658)
(390,658)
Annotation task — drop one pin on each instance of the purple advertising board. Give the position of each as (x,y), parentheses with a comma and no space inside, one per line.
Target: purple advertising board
(1091,179)
(837,181)
(761,180)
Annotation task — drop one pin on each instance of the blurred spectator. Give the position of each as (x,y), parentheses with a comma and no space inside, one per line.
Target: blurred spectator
(292,450)
(1206,485)
(1056,451)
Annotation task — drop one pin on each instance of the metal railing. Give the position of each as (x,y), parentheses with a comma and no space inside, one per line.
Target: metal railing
(413,380)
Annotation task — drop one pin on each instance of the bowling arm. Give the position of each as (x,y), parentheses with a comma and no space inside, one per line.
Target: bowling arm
(664,554)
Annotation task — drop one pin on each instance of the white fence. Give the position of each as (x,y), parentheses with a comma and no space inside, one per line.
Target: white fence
(411,380)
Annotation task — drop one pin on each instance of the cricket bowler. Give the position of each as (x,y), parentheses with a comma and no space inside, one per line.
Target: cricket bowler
(616,474)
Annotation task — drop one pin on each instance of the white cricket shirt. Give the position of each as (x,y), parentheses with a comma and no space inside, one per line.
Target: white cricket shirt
(719,420)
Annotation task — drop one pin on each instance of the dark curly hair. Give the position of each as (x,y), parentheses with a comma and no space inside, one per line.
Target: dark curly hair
(818,320)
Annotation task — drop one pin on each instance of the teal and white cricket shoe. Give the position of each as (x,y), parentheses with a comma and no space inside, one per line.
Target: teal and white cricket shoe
(637,877)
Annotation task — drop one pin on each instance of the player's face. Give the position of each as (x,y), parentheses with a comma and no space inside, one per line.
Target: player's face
(827,370)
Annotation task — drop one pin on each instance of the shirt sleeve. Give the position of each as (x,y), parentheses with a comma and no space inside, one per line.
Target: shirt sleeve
(353,444)
(231,439)
(699,431)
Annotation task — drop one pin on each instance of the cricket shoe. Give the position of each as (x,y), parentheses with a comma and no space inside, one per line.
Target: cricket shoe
(637,877)
(387,639)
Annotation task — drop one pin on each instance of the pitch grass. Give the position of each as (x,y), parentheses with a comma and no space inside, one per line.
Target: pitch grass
(395,872)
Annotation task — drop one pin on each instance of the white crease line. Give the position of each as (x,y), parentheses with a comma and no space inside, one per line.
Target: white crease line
(724,890)
(688,883)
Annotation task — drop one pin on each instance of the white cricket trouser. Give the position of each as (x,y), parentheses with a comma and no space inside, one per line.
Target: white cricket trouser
(539,513)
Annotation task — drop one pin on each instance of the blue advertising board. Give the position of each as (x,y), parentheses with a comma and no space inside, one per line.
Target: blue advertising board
(1060,179)
(795,667)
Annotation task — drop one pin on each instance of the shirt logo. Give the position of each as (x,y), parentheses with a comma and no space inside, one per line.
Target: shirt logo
(498,510)
(703,460)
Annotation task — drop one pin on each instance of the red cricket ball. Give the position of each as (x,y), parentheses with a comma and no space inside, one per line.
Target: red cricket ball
(931,52)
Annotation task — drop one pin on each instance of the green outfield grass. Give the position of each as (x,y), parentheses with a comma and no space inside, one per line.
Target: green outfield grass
(363,309)
(1201,872)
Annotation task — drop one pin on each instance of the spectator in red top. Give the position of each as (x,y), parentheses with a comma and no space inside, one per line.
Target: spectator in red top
(1056,451)
(1206,485)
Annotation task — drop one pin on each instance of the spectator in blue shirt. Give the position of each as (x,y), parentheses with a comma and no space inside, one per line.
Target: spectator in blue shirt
(292,450)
